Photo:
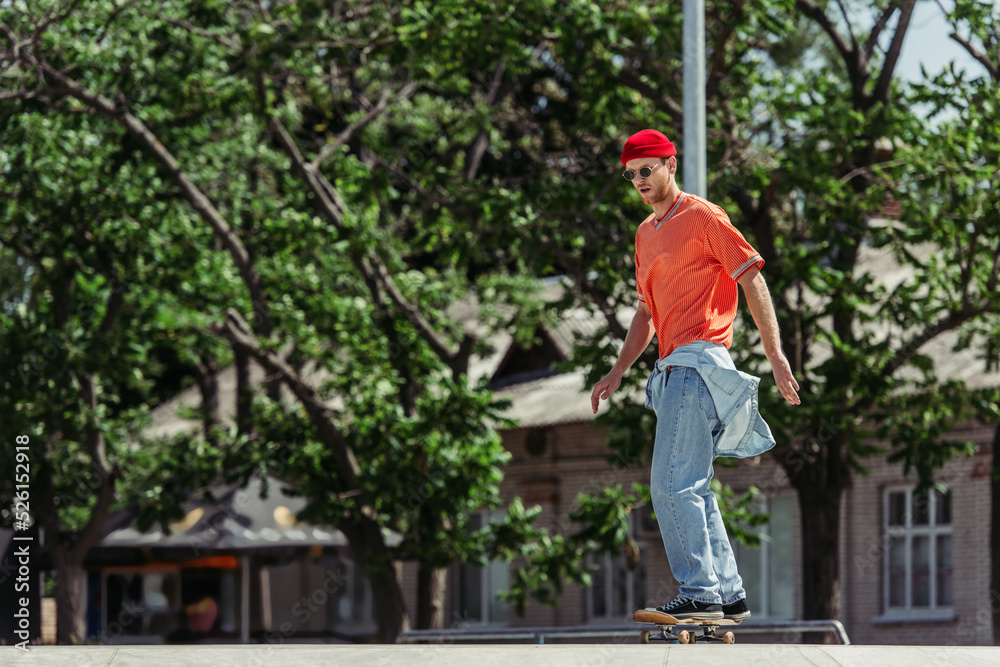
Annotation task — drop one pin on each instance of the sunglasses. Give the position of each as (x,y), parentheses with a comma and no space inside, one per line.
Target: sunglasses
(629,174)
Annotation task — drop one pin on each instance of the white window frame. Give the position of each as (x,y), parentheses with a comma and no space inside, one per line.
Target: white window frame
(908,531)
(606,561)
(485,594)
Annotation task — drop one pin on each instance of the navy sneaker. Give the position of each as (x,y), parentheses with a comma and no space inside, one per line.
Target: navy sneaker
(686,608)
(737,611)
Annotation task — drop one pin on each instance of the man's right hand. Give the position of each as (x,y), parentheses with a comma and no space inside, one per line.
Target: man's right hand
(604,388)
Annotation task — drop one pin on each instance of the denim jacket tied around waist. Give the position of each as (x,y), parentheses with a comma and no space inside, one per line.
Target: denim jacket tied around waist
(744,431)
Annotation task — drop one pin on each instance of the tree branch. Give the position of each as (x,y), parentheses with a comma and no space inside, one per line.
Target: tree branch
(870,168)
(818,15)
(97,450)
(633,81)
(610,182)
(201,203)
(991,282)
(410,312)
(108,22)
(56,17)
(717,70)
(478,148)
(847,24)
(880,22)
(31,94)
(947,323)
(15,44)
(222,40)
(983,59)
(446,200)
(370,267)
(880,94)
(207,377)
(236,331)
(328,149)
(114,306)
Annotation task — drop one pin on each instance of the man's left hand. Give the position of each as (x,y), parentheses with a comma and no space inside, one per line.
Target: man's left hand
(785,380)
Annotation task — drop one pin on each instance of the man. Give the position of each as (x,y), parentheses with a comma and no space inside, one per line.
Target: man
(688,261)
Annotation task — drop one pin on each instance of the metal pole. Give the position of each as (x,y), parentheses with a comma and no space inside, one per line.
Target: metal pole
(694,153)
(245,600)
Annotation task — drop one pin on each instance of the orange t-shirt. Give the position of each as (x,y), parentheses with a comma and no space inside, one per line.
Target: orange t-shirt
(686,266)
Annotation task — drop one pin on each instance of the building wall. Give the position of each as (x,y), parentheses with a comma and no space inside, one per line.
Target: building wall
(574,459)
(863,573)
(864,545)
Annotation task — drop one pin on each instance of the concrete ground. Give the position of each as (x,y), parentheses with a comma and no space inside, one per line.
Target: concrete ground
(565,655)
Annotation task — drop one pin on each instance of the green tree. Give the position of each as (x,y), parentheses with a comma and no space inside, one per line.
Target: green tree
(859,346)
(261,121)
(80,329)
(969,103)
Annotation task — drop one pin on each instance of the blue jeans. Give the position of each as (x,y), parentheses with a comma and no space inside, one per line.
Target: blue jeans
(694,536)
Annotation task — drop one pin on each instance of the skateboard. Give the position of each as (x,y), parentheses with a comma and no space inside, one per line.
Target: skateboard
(668,628)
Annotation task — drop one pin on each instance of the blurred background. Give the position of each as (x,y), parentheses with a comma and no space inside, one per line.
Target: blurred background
(302,301)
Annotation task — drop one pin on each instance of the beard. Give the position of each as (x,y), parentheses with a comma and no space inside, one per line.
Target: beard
(657,194)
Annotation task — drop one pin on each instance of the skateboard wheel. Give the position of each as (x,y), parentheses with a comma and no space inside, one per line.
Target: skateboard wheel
(729,638)
(644,637)
(683,637)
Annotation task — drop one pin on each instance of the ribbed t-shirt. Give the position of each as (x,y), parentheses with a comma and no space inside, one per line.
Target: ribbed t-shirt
(686,266)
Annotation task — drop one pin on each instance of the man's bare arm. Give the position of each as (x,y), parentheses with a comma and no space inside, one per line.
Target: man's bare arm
(759,299)
(640,332)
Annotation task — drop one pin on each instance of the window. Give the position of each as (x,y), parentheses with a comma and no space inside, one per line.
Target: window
(476,601)
(616,591)
(139,604)
(171,602)
(317,597)
(918,566)
(768,571)
(354,601)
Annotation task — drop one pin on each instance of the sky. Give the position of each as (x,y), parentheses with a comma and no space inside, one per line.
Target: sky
(927,43)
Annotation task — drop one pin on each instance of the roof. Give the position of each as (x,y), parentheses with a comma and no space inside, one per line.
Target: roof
(556,399)
(168,421)
(237,519)
(965,364)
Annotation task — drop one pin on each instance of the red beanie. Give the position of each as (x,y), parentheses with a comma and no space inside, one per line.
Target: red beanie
(647,143)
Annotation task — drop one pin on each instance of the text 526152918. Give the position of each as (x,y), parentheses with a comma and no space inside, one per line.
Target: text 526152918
(22,479)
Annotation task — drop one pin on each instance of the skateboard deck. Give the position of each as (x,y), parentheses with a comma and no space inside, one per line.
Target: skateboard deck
(668,631)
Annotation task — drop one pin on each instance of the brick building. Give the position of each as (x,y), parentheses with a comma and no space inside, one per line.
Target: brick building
(912,570)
